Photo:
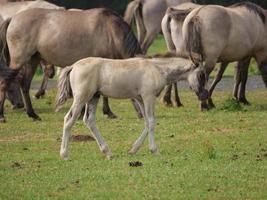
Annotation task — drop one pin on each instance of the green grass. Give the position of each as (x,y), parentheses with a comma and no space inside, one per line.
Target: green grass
(220,154)
(204,155)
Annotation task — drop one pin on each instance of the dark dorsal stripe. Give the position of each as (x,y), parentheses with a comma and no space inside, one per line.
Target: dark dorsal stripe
(252,7)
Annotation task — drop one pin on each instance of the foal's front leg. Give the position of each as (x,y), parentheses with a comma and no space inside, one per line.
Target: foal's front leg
(69,121)
(90,120)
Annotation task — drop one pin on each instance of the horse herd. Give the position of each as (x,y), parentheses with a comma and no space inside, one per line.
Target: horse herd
(106,59)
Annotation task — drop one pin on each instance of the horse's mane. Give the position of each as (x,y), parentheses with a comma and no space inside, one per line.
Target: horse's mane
(166,55)
(252,7)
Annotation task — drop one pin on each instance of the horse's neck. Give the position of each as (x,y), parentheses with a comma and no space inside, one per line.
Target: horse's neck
(173,69)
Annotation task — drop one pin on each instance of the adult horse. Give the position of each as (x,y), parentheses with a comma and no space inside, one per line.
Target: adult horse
(233,40)
(141,79)
(148,15)
(63,37)
(9,9)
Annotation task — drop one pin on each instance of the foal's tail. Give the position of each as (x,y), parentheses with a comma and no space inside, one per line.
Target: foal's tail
(193,40)
(64,87)
(5,72)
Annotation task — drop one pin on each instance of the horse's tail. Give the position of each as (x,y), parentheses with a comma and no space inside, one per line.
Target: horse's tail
(134,9)
(193,39)
(130,10)
(5,72)
(64,87)
(166,30)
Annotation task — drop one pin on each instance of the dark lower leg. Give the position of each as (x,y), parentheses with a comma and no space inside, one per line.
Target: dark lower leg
(176,95)
(106,109)
(216,80)
(167,96)
(243,65)
(137,109)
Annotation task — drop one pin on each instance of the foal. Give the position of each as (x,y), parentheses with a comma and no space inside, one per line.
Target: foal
(141,79)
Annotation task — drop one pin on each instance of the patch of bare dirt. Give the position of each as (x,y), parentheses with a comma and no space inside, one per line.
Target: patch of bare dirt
(82,138)
(135,164)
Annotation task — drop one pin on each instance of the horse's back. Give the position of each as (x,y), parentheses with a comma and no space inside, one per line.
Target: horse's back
(72,35)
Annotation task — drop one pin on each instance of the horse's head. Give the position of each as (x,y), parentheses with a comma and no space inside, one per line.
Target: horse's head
(197,80)
(14,96)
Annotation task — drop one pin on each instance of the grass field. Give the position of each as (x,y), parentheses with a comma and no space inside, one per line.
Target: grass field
(220,154)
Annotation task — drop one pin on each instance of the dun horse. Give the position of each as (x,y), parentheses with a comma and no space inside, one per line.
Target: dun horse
(148,15)
(141,79)
(8,10)
(242,35)
(62,38)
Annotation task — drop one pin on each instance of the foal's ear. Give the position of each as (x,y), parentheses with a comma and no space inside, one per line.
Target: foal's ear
(196,58)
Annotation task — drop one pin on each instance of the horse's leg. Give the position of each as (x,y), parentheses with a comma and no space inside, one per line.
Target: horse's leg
(150,37)
(209,66)
(137,108)
(90,120)
(138,143)
(176,95)
(166,99)
(237,78)
(262,64)
(106,109)
(243,67)
(69,121)
(25,87)
(216,80)
(3,86)
(149,102)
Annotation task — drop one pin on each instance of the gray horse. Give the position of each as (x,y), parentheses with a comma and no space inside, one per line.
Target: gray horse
(148,15)
(62,38)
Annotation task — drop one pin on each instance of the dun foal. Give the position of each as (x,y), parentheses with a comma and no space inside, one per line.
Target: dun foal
(141,79)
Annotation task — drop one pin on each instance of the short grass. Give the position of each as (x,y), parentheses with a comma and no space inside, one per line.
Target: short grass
(221,154)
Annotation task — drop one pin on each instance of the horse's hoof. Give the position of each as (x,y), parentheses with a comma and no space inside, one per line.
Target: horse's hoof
(35,119)
(132,152)
(109,156)
(140,116)
(211,105)
(2,120)
(204,106)
(244,101)
(111,116)
(63,156)
(179,104)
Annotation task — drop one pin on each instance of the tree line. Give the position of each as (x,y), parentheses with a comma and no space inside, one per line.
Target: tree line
(120,5)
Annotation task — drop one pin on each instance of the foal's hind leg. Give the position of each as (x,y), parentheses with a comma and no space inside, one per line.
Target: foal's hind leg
(69,121)
(89,120)
(106,109)
(243,65)
(216,80)
(138,143)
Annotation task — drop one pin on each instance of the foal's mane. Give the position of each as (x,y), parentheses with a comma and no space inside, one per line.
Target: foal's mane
(253,8)
(166,55)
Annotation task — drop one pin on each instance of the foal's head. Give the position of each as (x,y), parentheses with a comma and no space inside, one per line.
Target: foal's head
(197,80)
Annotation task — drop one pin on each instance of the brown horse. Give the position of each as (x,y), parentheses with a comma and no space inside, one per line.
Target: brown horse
(148,15)
(233,40)
(141,79)
(62,38)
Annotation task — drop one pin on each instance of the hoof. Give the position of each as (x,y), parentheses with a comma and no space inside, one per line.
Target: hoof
(2,120)
(111,116)
(244,101)
(132,151)
(211,105)
(204,106)
(64,156)
(110,157)
(179,104)
(140,116)
(154,151)
(36,119)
